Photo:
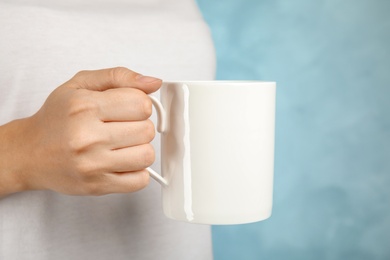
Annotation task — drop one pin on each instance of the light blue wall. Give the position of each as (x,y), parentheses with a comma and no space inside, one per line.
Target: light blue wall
(331,60)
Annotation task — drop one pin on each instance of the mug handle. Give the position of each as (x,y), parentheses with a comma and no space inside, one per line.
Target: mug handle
(161,128)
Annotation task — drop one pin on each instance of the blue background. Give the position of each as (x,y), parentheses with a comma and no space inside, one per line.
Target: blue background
(331,61)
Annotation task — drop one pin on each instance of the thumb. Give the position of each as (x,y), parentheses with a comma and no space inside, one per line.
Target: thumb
(119,77)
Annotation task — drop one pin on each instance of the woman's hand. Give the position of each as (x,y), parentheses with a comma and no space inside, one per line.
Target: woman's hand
(91,137)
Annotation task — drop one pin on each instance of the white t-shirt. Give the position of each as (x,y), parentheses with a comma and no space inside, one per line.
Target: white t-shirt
(43,43)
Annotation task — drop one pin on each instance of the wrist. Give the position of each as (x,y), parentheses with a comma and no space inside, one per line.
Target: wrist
(14,157)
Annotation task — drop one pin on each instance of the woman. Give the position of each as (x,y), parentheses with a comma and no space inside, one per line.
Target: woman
(67,133)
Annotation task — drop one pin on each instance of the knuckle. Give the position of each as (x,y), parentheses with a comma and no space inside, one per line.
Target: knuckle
(146,105)
(94,189)
(83,140)
(85,169)
(91,179)
(139,181)
(118,74)
(148,155)
(80,74)
(149,130)
(80,103)
(77,144)
(80,77)
(142,180)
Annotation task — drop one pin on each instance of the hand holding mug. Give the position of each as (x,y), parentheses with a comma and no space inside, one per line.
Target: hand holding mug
(91,137)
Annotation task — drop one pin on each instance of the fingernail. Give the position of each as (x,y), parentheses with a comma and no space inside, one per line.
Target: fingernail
(146,79)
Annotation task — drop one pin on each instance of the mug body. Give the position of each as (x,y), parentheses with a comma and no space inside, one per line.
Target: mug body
(218,151)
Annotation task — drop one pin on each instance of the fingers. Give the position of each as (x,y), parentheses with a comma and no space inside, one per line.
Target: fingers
(127,182)
(127,134)
(122,182)
(130,159)
(125,104)
(116,171)
(125,173)
(119,77)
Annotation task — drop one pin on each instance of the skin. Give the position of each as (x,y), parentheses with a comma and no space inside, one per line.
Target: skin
(91,137)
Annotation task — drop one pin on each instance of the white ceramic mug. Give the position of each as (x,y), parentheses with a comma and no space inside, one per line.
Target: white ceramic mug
(217,150)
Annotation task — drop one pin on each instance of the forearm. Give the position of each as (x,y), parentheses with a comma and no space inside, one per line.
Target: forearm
(12,157)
